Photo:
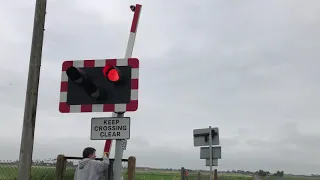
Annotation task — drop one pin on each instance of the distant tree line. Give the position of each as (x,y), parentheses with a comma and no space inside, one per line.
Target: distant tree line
(35,162)
(267,173)
(259,173)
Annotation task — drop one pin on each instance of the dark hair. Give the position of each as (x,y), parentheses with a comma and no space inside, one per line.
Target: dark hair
(88,151)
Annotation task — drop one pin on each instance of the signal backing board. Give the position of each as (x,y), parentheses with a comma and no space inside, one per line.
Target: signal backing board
(131,106)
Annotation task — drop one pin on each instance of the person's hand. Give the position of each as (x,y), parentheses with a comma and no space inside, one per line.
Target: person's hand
(106,155)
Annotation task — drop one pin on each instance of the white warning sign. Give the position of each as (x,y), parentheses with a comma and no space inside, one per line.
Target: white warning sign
(110,128)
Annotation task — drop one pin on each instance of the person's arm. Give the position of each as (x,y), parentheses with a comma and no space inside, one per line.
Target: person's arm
(102,165)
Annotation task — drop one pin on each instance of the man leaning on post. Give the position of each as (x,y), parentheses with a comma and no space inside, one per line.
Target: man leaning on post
(89,168)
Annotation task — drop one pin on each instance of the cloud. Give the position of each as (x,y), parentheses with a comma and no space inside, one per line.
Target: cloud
(249,68)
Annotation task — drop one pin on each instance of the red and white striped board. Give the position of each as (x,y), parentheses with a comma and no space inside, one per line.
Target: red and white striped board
(131,106)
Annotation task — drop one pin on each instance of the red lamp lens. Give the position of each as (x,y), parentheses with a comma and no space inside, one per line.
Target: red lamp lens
(113,75)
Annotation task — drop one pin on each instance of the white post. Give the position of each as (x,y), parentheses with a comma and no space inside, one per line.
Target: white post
(210,151)
(117,168)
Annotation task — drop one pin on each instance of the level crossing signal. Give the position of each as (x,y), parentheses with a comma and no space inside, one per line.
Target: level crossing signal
(109,85)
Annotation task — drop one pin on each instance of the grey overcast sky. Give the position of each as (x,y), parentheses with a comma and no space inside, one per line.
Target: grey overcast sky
(249,67)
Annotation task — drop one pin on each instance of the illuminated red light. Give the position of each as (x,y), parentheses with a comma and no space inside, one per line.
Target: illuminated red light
(111,73)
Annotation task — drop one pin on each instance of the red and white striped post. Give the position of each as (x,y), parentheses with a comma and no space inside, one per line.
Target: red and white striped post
(119,143)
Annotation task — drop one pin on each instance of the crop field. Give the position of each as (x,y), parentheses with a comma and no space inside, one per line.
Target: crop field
(48,173)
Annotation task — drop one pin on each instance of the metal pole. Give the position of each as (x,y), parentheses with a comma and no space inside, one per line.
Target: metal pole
(30,110)
(117,168)
(119,150)
(210,151)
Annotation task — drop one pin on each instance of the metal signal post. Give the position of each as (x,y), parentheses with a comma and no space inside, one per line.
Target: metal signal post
(210,151)
(208,137)
(104,85)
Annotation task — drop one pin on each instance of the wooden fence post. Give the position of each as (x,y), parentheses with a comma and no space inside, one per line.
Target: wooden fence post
(109,173)
(183,173)
(215,174)
(131,167)
(199,175)
(60,166)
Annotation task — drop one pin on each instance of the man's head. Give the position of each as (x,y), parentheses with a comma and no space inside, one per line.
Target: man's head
(89,152)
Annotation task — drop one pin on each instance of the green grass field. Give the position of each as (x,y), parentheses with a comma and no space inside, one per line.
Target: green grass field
(48,173)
